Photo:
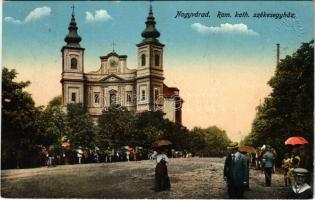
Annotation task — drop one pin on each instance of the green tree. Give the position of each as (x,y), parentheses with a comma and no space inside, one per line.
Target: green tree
(51,123)
(150,126)
(177,134)
(56,102)
(196,141)
(18,115)
(288,110)
(216,141)
(80,128)
(211,141)
(116,127)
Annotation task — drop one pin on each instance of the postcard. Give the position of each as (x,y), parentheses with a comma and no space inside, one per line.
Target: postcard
(157,99)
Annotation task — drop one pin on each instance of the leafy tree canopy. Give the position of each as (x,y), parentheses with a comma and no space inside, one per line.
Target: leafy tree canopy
(288,110)
(80,126)
(211,141)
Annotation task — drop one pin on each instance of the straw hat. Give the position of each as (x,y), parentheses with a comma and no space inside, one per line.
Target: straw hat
(233,145)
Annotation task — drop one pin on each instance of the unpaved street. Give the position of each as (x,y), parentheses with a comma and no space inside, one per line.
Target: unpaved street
(200,178)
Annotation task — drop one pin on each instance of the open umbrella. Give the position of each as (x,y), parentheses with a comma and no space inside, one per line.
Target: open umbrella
(125,147)
(247,149)
(79,151)
(66,144)
(296,140)
(160,143)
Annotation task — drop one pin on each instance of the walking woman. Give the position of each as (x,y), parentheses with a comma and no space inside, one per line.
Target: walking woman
(286,165)
(162,181)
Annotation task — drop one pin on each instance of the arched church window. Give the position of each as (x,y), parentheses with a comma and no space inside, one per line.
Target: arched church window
(157,60)
(142,60)
(74,63)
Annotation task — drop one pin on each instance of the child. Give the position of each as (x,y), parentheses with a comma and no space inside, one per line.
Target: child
(286,165)
(300,189)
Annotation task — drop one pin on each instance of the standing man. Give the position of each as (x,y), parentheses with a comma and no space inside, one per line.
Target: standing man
(51,156)
(235,172)
(108,155)
(79,155)
(112,155)
(268,159)
(127,155)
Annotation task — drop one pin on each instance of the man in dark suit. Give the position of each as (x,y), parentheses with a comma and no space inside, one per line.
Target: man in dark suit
(235,172)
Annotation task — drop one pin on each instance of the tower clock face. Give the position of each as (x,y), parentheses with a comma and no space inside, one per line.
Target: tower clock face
(113,63)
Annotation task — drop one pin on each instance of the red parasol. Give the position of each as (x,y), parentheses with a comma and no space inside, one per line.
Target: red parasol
(296,140)
(66,144)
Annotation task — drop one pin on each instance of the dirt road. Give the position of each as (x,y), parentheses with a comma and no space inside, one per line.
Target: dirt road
(200,178)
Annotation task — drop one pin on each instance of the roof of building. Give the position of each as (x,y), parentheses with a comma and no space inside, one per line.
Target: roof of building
(113,53)
(170,91)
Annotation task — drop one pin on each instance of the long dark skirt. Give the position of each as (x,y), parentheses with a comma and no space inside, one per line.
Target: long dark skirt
(162,181)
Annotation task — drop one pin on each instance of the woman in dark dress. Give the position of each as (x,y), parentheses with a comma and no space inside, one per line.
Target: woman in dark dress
(162,181)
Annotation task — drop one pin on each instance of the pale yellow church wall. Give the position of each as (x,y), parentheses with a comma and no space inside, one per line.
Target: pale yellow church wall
(169,109)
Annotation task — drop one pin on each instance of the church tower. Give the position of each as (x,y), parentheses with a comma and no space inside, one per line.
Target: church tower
(150,68)
(72,66)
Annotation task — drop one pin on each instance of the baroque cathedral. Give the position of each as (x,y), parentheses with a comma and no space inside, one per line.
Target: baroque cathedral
(114,84)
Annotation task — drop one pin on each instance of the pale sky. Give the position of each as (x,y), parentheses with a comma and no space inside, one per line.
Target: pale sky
(221,66)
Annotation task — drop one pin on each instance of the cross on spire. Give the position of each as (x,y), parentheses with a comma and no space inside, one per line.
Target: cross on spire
(113,44)
(72,9)
(150,3)
(73,39)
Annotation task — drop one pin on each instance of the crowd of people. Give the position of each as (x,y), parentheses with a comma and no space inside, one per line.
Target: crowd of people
(237,165)
(53,156)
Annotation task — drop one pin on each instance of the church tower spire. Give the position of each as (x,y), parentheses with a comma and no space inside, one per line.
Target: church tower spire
(72,78)
(73,39)
(150,33)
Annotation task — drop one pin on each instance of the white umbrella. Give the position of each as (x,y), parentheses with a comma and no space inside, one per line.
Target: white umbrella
(79,151)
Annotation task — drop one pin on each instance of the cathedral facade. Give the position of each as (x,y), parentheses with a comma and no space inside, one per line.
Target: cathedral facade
(114,84)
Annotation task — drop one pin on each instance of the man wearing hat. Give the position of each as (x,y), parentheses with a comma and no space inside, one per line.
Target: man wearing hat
(300,189)
(235,171)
